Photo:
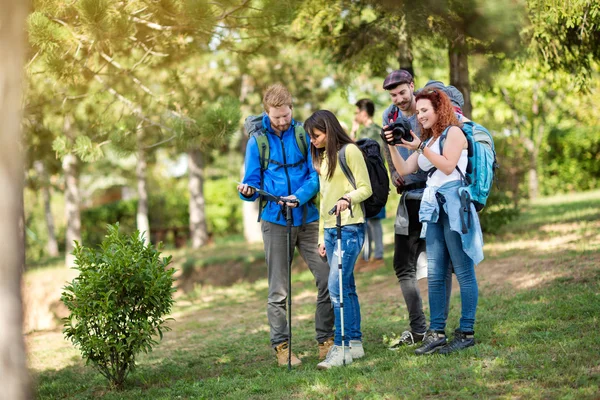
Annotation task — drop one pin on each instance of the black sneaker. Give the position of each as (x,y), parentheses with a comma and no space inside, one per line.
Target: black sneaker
(461,340)
(407,338)
(434,340)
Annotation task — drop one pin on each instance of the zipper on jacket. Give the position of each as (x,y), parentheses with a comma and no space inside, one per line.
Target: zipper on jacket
(287,175)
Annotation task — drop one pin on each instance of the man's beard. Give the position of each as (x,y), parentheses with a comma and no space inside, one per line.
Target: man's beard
(282,128)
(404,106)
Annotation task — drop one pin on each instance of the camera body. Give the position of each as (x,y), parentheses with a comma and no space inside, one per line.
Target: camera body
(400,130)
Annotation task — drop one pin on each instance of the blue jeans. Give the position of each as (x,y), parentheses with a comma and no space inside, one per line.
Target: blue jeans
(353,237)
(443,246)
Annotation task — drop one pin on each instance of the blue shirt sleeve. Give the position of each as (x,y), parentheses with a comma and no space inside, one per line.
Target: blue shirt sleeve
(252,169)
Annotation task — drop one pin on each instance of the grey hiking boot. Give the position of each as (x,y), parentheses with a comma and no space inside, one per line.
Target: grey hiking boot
(461,341)
(433,341)
(356,349)
(335,358)
(407,338)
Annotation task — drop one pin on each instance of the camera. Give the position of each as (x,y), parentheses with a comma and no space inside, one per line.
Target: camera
(400,130)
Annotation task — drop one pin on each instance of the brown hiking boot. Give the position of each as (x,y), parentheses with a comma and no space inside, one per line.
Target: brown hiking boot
(282,355)
(324,348)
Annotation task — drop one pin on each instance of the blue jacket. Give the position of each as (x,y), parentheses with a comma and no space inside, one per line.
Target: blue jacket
(463,218)
(283,180)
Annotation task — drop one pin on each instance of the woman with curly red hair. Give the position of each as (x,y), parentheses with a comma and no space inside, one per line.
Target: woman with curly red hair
(453,234)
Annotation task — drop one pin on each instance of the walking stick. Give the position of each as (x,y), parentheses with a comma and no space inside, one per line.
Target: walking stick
(338,224)
(290,255)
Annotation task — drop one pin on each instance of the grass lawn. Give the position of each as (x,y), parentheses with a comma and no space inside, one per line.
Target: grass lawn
(537,327)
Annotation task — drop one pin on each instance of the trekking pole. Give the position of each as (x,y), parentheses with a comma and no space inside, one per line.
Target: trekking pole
(288,220)
(338,224)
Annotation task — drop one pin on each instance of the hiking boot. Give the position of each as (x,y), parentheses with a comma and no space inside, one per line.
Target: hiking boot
(324,348)
(407,338)
(282,355)
(433,341)
(356,349)
(335,358)
(461,340)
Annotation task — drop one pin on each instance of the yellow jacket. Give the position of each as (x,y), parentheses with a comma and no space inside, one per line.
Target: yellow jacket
(339,186)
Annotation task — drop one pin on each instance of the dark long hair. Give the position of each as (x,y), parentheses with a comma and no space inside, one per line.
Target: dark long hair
(326,122)
(443,108)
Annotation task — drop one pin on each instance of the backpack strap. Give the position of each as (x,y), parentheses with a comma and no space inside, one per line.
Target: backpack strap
(301,139)
(349,175)
(442,140)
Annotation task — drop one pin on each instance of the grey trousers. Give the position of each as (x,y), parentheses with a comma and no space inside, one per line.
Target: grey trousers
(304,238)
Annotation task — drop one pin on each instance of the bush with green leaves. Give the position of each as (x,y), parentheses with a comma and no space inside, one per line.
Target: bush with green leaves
(118,303)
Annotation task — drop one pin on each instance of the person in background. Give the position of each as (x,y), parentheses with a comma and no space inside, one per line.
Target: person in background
(363,119)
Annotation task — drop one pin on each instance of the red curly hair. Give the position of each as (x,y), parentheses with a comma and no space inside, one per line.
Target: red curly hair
(443,109)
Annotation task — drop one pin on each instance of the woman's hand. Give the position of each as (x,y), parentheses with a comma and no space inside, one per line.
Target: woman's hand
(322,251)
(342,205)
(414,145)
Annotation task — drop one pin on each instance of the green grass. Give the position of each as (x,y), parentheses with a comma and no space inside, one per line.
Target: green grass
(537,338)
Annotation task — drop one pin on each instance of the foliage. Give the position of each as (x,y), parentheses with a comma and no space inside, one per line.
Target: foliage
(167,209)
(118,302)
(571,162)
(566,35)
(95,219)
(499,211)
(223,208)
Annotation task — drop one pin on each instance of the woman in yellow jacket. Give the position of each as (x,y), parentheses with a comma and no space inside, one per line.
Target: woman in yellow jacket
(327,138)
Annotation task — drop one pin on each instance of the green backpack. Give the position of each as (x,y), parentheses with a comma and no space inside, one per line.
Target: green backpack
(254,128)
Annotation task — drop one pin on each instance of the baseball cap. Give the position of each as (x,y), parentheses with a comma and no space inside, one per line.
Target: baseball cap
(455,96)
(396,78)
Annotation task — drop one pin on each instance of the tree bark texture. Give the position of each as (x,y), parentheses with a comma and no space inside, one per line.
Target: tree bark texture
(405,54)
(14,378)
(143,223)
(198,229)
(72,206)
(52,244)
(458,54)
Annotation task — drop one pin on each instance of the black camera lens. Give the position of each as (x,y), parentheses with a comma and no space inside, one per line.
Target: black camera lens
(400,130)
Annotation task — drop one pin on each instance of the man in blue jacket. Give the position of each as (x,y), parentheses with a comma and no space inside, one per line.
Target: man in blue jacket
(289,174)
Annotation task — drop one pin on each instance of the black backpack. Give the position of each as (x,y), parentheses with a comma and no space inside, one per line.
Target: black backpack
(380,182)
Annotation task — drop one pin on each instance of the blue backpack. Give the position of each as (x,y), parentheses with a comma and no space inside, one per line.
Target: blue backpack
(481,165)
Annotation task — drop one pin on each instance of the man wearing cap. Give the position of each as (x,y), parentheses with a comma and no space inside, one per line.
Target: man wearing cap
(407,228)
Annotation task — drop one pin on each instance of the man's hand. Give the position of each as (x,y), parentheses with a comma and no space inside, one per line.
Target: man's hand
(292,201)
(354,130)
(245,190)
(397,179)
(322,251)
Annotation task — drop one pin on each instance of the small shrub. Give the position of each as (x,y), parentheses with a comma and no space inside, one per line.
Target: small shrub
(117,303)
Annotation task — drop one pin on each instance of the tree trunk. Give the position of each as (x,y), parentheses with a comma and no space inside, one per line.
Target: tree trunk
(458,54)
(198,230)
(405,54)
(72,203)
(14,378)
(143,223)
(52,244)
